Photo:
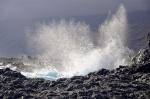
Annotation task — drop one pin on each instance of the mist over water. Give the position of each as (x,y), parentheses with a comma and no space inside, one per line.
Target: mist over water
(66,49)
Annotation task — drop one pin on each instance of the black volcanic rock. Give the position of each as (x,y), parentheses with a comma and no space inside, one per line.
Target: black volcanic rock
(125,82)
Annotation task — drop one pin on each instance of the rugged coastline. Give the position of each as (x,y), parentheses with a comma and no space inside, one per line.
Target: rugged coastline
(125,82)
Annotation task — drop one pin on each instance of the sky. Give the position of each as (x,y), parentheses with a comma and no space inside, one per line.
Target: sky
(48,8)
(16,15)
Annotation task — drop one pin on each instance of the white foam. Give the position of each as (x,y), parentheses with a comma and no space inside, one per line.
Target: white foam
(12,67)
(67,46)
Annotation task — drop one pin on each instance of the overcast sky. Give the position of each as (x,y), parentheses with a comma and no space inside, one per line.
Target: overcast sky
(61,8)
(15,15)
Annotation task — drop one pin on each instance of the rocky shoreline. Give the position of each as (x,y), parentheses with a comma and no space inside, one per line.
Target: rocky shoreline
(125,82)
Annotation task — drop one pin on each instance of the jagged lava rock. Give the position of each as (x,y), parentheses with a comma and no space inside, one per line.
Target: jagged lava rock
(125,82)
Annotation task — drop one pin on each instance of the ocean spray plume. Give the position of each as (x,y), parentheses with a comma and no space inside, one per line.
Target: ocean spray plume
(67,47)
(112,34)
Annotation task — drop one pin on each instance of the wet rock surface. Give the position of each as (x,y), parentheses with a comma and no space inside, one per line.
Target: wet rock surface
(125,82)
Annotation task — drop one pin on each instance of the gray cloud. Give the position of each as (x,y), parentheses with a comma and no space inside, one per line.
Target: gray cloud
(38,8)
(16,15)
(147,3)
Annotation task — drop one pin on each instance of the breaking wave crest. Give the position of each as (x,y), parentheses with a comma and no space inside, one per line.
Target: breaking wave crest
(65,48)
